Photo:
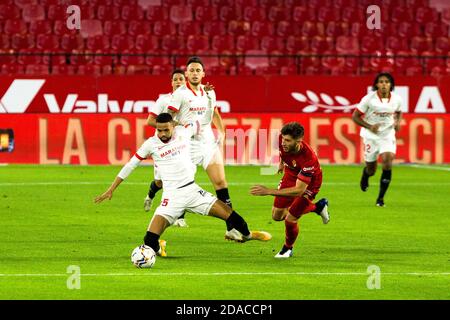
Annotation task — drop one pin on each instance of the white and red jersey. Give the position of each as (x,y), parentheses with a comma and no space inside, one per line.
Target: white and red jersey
(172,158)
(161,104)
(193,106)
(378,110)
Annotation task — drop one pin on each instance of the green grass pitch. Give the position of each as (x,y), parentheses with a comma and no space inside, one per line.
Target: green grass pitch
(49,222)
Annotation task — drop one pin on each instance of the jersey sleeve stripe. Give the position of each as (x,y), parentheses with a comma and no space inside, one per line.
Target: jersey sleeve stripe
(172,108)
(138,156)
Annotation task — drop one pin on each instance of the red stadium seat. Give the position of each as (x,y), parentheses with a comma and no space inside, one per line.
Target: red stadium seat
(23,3)
(261,29)
(47,3)
(442,45)
(218,70)
(288,70)
(29,56)
(270,44)
(445,16)
(138,69)
(89,70)
(91,28)
(252,14)
(71,42)
(321,45)
(311,29)
(9,12)
(431,62)
(347,45)
(296,45)
(162,28)
(60,28)
(256,59)
(189,28)
(47,42)
(157,13)
(13,27)
(108,13)
(396,44)
(205,14)
(98,43)
(40,27)
(402,14)
(132,13)
(22,41)
(137,27)
(121,42)
(172,44)
(162,69)
(212,28)
(421,44)
(6,57)
(276,14)
(12,69)
(412,71)
(103,59)
(436,29)
(333,65)
(228,14)
(370,44)
(222,43)
(301,14)
(5,42)
(180,14)
(353,14)
(37,69)
(238,28)
(198,3)
(246,43)
(157,60)
(243,70)
(426,14)
(146,43)
(406,30)
(129,57)
(63,70)
(197,43)
(327,14)
(111,28)
(33,12)
(286,28)
(57,12)
(336,29)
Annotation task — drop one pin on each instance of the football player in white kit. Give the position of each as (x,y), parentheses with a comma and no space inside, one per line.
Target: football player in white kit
(195,101)
(379,115)
(177,80)
(170,149)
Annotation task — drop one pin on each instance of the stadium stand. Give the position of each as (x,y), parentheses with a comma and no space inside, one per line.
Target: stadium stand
(321,36)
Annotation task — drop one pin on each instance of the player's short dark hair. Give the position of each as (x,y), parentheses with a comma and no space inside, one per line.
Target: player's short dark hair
(195,59)
(383,74)
(294,129)
(178,70)
(164,118)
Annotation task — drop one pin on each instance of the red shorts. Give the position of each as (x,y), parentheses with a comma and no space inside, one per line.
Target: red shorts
(296,205)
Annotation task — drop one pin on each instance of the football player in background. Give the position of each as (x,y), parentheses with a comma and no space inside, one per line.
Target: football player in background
(379,114)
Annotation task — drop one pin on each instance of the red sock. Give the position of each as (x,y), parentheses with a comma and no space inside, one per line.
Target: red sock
(291,233)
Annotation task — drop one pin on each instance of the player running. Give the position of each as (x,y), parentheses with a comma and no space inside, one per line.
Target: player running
(170,149)
(379,114)
(300,184)
(178,79)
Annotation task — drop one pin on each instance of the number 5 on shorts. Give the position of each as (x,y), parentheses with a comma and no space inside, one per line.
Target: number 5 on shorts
(164,202)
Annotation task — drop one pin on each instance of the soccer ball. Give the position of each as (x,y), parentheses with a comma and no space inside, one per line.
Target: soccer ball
(143,257)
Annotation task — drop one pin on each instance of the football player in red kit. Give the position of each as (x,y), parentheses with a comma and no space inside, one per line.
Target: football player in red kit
(300,184)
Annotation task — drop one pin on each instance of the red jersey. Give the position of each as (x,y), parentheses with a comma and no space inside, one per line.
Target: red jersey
(303,165)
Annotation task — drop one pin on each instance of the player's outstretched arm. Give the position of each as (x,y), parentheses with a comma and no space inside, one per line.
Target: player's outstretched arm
(297,191)
(218,123)
(398,119)
(357,118)
(109,193)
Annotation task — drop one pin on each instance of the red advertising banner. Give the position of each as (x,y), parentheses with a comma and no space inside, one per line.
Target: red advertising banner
(287,94)
(250,138)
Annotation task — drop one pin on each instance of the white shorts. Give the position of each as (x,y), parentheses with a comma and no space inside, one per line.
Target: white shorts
(156,173)
(205,154)
(374,147)
(192,198)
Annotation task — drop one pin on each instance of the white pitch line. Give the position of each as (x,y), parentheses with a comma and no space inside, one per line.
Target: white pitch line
(420,166)
(153,274)
(62,183)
